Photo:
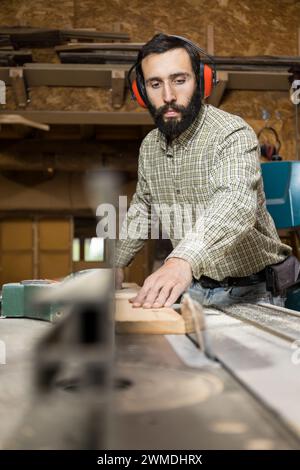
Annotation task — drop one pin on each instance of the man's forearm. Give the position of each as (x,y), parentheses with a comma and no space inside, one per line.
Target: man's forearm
(134,231)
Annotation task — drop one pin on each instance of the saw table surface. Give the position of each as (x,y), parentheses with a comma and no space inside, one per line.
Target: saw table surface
(168,394)
(169,405)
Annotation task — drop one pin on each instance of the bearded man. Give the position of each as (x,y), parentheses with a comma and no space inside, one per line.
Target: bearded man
(199,156)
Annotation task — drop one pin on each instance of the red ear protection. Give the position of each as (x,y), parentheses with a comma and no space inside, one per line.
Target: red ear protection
(137,95)
(206,83)
(207,77)
(208,80)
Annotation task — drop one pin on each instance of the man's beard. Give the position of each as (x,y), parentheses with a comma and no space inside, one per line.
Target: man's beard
(172,128)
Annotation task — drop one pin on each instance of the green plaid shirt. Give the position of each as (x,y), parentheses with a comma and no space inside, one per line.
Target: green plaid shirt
(213,165)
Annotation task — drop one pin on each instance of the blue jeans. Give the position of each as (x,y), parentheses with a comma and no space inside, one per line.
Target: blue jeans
(225,296)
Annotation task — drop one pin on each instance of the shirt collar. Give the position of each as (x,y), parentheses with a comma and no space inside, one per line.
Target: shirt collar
(186,136)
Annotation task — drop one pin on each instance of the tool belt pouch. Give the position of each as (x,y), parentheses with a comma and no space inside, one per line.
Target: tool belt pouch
(283,275)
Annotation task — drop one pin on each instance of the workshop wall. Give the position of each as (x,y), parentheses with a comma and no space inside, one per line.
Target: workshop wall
(38,13)
(242,27)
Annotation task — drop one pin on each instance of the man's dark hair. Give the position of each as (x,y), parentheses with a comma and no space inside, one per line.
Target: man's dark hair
(162,43)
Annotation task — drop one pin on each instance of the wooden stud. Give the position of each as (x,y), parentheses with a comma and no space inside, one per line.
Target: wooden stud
(210,47)
(19,88)
(118,88)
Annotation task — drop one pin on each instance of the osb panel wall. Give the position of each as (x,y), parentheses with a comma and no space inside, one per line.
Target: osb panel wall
(254,106)
(37,13)
(241,27)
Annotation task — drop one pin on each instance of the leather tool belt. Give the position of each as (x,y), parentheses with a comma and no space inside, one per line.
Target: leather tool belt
(278,277)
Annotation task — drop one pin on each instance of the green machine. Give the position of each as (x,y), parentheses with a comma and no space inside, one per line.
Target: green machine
(18,300)
(293,298)
(282,188)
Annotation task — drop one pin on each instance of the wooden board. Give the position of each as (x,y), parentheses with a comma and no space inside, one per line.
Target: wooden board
(145,320)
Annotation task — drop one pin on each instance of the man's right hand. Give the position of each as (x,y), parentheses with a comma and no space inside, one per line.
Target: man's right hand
(119,277)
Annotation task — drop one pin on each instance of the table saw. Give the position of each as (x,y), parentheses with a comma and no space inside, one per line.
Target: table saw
(158,391)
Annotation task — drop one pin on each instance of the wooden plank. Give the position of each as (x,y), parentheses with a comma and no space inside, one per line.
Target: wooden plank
(241,80)
(120,46)
(17,119)
(5,41)
(11,58)
(84,34)
(69,75)
(145,320)
(98,57)
(31,37)
(42,37)
(258,60)
(87,117)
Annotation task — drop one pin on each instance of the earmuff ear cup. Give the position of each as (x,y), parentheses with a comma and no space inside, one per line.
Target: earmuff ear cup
(137,94)
(208,78)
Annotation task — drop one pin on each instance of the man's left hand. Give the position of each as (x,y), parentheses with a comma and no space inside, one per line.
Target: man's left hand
(164,286)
